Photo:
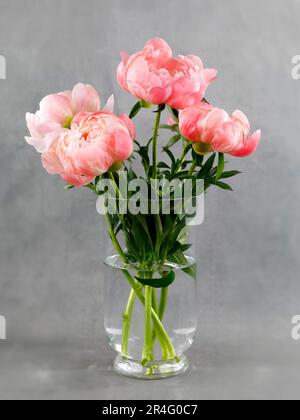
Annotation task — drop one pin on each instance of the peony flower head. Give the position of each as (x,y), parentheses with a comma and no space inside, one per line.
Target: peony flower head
(57,112)
(215,127)
(155,76)
(94,144)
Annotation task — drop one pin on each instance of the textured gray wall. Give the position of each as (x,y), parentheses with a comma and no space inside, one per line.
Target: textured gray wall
(52,241)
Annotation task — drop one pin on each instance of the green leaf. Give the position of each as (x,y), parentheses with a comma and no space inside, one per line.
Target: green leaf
(223,185)
(137,143)
(161,107)
(206,167)
(135,110)
(144,153)
(163,165)
(175,113)
(144,225)
(191,271)
(221,165)
(131,174)
(69,187)
(198,158)
(173,127)
(171,156)
(187,147)
(230,174)
(164,281)
(173,141)
(179,258)
(183,235)
(145,104)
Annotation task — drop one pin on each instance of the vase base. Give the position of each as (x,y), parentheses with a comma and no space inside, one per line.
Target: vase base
(155,370)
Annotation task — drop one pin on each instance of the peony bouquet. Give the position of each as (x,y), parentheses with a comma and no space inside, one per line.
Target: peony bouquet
(146,190)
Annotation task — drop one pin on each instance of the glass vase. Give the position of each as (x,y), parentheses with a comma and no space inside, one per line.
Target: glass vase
(150,287)
(173,318)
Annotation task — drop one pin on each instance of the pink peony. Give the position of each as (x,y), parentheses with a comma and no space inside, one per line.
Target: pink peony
(57,111)
(212,126)
(95,142)
(155,76)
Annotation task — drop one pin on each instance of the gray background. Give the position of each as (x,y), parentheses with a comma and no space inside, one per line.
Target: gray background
(52,242)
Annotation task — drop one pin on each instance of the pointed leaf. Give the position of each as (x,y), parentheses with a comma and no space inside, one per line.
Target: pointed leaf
(173,141)
(162,282)
(230,174)
(135,110)
(223,185)
(206,167)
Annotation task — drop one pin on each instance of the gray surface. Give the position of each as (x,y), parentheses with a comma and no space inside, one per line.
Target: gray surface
(52,241)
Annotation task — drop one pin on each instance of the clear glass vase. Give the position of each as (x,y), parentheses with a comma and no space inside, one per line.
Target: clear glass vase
(150,285)
(173,325)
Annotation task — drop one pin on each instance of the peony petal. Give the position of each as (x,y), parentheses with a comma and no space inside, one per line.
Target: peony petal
(158,95)
(77,180)
(129,124)
(78,117)
(227,137)
(41,138)
(157,49)
(55,108)
(109,106)
(42,144)
(249,146)
(51,162)
(123,146)
(239,115)
(124,57)
(85,98)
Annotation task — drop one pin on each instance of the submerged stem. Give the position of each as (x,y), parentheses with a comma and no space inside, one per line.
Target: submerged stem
(168,351)
(127,316)
(147,351)
(163,302)
(161,309)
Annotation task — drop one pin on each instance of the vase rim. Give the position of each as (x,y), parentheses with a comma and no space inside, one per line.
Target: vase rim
(114,261)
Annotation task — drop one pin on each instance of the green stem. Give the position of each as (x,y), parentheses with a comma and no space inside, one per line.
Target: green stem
(154,303)
(155,139)
(147,351)
(168,351)
(161,309)
(114,239)
(192,169)
(166,345)
(127,316)
(162,302)
(167,348)
(112,178)
(153,334)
